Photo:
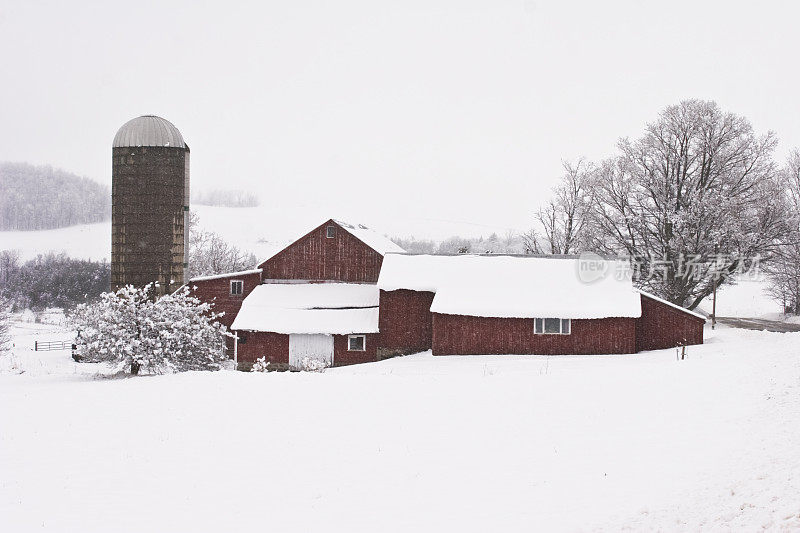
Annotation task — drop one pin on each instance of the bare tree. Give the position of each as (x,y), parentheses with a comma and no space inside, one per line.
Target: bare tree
(210,254)
(561,224)
(699,187)
(783,269)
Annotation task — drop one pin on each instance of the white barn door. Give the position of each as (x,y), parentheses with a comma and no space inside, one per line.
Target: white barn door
(318,347)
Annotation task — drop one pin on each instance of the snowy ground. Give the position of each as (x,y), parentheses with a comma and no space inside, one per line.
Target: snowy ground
(514,443)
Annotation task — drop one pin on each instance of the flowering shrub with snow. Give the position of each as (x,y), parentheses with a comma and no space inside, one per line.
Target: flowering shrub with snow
(261,365)
(175,333)
(310,364)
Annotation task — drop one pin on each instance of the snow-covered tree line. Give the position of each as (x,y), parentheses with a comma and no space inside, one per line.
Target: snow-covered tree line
(696,199)
(130,329)
(226,198)
(210,254)
(41,197)
(51,280)
(508,243)
(783,269)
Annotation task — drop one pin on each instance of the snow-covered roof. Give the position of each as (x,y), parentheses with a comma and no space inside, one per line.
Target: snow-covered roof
(227,275)
(332,308)
(670,304)
(518,287)
(380,243)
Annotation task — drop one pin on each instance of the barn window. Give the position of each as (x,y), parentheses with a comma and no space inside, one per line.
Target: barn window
(552,326)
(356,343)
(330,232)
(237,287)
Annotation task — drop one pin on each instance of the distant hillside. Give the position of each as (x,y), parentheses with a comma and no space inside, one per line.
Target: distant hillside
(43,197)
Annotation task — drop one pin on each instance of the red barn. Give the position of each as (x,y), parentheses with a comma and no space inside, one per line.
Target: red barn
(457,305)
(317,297)
(344,294)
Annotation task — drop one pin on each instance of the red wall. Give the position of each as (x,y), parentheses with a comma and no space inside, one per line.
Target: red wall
(316,257)
(218,292)
(275,347)
(462,335)
(405,320)
(342,357)
(663,326)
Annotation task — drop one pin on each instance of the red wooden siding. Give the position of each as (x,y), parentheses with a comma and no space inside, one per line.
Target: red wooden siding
(275,348)
(463,335)
(405,320)
(316,257)
(218,292)
(663,326)
(342,357)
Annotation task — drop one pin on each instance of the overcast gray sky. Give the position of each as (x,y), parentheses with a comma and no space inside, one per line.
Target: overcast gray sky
(454,109)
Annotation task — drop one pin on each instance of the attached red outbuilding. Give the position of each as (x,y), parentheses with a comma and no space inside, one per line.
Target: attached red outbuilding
(460,305)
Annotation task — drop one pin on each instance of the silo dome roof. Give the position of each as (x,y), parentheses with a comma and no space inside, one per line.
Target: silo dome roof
(149,130)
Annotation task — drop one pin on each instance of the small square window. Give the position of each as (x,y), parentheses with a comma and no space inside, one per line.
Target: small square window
(552,325)
(330,232)
(237,287)
(356,343)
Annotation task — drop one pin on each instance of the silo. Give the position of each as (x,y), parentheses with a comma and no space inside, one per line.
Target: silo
(150,205)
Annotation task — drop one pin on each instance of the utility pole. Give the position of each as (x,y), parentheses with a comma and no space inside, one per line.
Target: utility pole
(714,305)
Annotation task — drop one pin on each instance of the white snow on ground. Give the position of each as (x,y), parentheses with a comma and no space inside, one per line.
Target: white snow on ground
(748,298)
(419,443)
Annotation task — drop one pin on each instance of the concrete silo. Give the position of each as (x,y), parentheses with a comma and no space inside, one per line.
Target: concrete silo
(150,205)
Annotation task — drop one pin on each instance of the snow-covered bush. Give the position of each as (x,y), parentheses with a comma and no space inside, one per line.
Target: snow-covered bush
(5,326)
(175,333)
(261,365)
(311,364)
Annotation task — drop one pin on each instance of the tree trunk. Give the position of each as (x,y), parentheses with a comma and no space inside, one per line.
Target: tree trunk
(135,368)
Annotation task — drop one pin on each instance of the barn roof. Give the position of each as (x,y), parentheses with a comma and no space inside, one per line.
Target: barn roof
(380,243)
(226,275)
(515,287)
(331,308)
(670,304)
(148,130)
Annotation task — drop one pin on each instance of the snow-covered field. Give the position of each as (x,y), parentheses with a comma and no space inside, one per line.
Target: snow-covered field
(261,230)
(482,443)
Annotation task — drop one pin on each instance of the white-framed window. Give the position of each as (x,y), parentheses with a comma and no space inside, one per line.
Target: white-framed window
(330,232)
(552,326)
(356,343)
(237,287)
